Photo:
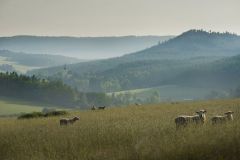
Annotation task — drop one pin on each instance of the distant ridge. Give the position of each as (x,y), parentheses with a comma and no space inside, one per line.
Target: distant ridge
(194,43)
(22,62)
(80,47)
(201,37)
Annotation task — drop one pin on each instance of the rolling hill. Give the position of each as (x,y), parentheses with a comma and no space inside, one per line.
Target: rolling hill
(81,47)
(195,59)
(22,62)
(194,43)
(224,73)
(217,79)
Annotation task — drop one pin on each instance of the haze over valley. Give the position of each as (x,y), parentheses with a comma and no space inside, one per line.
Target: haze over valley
(119,80)
(195,60)
(80,47)
(194,65)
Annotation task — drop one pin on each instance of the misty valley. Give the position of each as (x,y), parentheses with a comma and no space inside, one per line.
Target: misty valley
(195,65)
(119,80)
(121,106)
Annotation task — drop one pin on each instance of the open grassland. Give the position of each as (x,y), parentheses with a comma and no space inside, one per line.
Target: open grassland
(127,133)
(171,92)
(11,107)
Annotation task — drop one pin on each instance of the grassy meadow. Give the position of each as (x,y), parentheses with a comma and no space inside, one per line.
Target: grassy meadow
(12,107)
(171,92)
(126,133)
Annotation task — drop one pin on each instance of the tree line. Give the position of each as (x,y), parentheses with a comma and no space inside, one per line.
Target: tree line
(55,92)
(38,90)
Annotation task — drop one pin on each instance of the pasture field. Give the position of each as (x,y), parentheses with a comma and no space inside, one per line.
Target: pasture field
(171,92)
(11,107)
(127,133)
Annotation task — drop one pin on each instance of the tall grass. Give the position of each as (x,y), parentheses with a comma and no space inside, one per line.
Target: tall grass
(128,133)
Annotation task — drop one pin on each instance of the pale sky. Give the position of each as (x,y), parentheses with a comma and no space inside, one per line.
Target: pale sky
(116,17)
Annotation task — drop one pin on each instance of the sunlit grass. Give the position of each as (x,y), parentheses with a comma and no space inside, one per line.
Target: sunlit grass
(134,132)
(10,107)
(168,92)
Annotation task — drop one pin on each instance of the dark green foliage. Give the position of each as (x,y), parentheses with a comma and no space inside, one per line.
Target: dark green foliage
(41,114)
(47,92)
(55,113)
(224,73)
(129,75)
(34,89)
(31,115)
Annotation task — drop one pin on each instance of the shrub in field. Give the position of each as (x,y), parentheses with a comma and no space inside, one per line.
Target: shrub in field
(55,113)
(31,115)
(40,114)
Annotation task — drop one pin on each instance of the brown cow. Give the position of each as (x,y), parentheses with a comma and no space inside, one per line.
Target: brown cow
(66,121)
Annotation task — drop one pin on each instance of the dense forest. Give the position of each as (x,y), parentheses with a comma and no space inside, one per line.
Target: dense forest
(125,76)
(47,92)
(31,88)
(224,73)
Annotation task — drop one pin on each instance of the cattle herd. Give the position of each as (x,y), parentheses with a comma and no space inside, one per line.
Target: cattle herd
(200,118)
(67,121)
(100,108)
(180,121)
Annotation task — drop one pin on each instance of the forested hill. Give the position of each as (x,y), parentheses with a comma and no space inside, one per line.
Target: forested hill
(46,92)
(221,74)
(152,67)
(190,44)
(194,43)
(80,47)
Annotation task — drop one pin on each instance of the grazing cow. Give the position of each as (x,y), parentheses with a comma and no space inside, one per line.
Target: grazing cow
(174,102)
(138,104)
(66,121)
(93,108)
(221,119)
(102,107)
(184,120)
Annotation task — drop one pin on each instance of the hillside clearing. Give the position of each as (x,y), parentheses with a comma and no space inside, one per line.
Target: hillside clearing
(12,107)
(171,92)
